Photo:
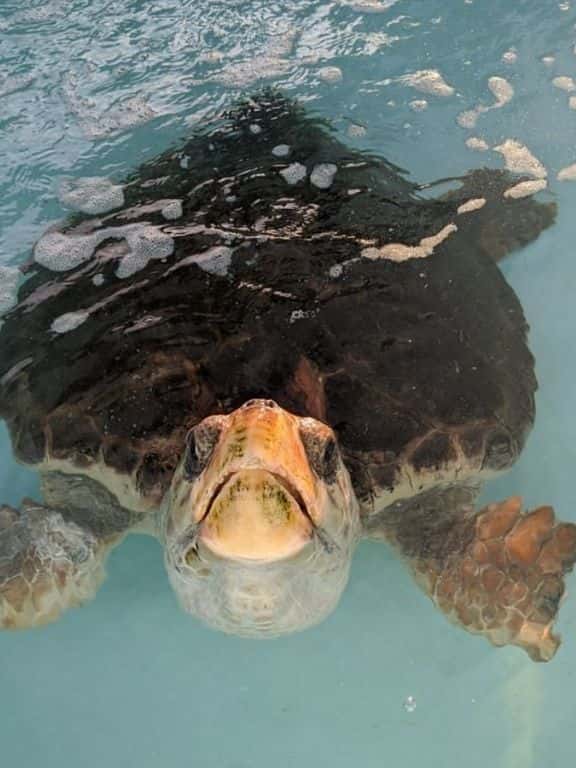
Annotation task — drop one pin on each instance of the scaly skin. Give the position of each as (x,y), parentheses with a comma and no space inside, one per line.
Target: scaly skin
(47,565)
(506,583)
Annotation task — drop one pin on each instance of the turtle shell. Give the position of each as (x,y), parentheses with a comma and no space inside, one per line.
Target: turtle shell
(275,282)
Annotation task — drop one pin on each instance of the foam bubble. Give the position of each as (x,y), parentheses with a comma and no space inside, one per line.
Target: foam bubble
(172,210)
(92,195)
(468,119)
(322,175)
(402,252)
(369,6)
(356,131)
(9,279)
(418,105)
(510,57)
(519,159)
(477,144)
(330,74)
(502,90)
(281,150)
(216,260)
(301,314)
(548,60)
(336,270)
(568,173)
(293,173)
(145,243)
(471,205)
(564,83)
(69,321)
(98,279)
(572,102)
(526,188)
(60,252)
(428,81)
(255,128)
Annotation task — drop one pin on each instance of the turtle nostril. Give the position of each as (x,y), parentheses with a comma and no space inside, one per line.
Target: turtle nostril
(259,402)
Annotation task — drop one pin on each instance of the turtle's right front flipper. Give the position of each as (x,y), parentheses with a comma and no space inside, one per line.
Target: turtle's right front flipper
(47,565)
(504,223)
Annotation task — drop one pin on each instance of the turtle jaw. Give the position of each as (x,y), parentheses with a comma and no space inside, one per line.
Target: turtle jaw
(256,515)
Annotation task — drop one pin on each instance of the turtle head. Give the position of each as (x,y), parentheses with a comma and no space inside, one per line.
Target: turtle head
(260,521)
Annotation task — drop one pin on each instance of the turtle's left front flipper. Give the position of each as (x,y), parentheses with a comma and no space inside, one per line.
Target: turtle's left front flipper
(499,572)
(47,565)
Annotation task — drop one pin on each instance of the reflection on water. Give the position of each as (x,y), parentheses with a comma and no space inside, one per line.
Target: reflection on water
(268,257)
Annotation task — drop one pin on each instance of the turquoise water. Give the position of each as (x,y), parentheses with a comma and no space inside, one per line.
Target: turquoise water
(93,88)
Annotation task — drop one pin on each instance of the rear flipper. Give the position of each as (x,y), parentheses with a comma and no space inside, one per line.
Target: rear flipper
(499,573)
(47,565)
(504,224)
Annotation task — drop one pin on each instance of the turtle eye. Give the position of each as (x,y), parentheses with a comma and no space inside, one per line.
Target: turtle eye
(200,443)
(192,464)
(322,453)
(330,459)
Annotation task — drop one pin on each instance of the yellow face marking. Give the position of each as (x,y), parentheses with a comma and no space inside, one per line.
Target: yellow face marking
(254,516)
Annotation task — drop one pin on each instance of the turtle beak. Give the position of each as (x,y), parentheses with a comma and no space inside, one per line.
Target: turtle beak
(259,499)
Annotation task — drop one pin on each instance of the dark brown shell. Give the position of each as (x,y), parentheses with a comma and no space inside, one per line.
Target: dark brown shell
(400,358)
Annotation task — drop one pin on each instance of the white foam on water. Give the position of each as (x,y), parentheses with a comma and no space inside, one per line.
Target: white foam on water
(172,210)
(301,314)
(215,260)
(145,243)
(472,205)
(568,173)
(92,195)
(477,144)
(356,131)
(428,81)
(98,279)
(270,63)
(336,270)
(60,252)
(572,102)
(526,188)
(281,150)
(322,175)
(548,60)
(97,123)
(9,279)
(468,119)
(510,57)
(401,252)
(294,173)
(69,321)
(502,91)
(369,6)
(519,159)
(418,105)
(564,83)
(330,74)
(255,128)
(184,162)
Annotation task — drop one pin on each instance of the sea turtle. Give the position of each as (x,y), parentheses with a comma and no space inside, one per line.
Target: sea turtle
(272,347)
